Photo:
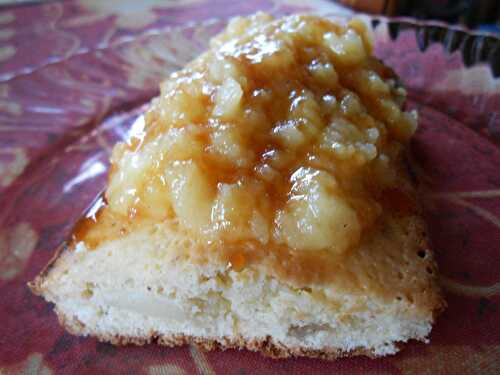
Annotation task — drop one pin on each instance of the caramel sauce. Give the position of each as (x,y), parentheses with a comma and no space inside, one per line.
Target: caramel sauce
(237,261)
(98,225)
(398,201)
(277,145)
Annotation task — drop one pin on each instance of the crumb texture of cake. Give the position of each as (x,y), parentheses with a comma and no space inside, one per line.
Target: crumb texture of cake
(140,289)
(265,204)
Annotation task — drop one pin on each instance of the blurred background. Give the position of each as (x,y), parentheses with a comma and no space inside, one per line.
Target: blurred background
(475,14)
(482,15)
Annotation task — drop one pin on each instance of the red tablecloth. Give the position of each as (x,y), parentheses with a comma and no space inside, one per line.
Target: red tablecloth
(73,76)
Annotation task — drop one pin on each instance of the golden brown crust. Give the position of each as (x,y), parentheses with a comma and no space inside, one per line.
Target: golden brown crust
(267,347)
(36,285)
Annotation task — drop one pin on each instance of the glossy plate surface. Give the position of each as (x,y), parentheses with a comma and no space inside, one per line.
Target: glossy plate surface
(65,102)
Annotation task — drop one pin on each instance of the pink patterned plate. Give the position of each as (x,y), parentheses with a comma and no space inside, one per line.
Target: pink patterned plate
(60,114)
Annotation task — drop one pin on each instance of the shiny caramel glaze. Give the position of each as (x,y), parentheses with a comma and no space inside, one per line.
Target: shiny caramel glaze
(281,145)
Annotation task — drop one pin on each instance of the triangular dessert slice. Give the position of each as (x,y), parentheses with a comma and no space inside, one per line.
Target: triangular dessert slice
(266,205)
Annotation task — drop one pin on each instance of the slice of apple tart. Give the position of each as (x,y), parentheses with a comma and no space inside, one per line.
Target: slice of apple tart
(266,205)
